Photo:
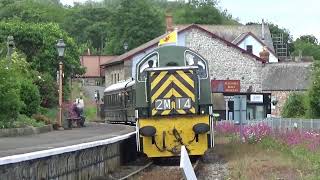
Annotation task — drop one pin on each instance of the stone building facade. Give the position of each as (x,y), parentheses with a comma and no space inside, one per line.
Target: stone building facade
(225,61)
(114,74)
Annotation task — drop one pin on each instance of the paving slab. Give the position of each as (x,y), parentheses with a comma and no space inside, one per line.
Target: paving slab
(54,139)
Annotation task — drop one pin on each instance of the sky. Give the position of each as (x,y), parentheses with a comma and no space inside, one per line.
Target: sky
(300,17)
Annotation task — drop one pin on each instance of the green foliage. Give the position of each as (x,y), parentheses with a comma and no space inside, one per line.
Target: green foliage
(198,13)
(10,103)
(37,41)
(314,92)
(25,121)
(295,106)
(308,39)
(134,22)
(32,10)
(30,96)
(90,112)
(47,89)
(307,46)
(93,22)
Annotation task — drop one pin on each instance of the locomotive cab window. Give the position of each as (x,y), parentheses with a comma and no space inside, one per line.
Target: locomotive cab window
(150,61)
(192,59)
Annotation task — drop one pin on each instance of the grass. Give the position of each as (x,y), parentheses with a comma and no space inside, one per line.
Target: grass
(267,160)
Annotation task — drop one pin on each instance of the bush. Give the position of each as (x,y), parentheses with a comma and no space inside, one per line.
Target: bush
(25,121)
(41,118)
(295,106)
(48,90)
(10,103)
(30,96)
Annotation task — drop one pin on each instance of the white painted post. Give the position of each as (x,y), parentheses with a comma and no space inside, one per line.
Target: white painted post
(300,125)
(311,124)
(186,165)
(227,110)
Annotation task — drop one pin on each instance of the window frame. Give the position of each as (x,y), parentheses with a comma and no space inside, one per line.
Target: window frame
(205,62)
(143,60)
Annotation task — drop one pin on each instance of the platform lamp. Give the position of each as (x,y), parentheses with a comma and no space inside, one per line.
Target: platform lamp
(60,48)
(125,46)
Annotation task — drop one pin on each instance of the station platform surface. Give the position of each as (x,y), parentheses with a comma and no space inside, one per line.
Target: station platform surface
(92,132)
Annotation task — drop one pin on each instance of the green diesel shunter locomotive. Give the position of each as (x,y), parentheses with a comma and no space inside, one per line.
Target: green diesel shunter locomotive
(169,101)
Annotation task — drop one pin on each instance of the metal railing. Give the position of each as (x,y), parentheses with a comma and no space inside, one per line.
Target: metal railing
(289,123)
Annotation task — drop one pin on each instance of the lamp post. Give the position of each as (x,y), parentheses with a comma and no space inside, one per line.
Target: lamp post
(60,48)
(72,67)
(125,46)
(10,46)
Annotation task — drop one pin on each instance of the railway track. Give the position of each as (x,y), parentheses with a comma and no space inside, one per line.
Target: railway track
(153,170)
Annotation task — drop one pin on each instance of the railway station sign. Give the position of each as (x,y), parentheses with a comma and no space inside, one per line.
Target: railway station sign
(222,86)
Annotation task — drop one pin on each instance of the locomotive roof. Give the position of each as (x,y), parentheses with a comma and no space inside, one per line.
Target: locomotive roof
(120,85)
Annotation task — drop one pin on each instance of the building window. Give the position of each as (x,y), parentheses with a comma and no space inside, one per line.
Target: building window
(118,77)
(249,48)
(111,78)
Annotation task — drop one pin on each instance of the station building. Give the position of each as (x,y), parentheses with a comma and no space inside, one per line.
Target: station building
(241,61)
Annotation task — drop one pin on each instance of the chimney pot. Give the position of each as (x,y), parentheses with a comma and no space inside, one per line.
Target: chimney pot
(264,54)
(169,23)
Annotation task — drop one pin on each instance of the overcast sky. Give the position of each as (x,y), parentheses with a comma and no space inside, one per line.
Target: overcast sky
(298,16)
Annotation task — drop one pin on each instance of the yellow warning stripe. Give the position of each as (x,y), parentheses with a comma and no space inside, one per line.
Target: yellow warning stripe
(183,88)
(161,89)
(158,79)
(166,112)
(186,78)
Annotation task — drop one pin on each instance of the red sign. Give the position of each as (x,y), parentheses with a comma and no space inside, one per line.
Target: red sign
(225,85)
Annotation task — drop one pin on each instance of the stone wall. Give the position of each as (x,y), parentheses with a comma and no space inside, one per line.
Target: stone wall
(226,62)
(112,73)
(81,165)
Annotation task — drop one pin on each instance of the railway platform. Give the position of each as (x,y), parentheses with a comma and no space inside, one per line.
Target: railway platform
(55,139)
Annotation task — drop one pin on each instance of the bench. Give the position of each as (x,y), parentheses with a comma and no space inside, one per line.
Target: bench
(74,122)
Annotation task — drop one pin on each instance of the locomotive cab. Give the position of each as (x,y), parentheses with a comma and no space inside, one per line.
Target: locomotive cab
(173,103)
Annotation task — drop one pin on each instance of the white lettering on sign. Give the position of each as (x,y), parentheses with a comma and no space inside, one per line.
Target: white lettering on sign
(256,98)
(162,104)
(183,103)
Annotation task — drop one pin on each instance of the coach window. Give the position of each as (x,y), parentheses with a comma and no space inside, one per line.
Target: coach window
(193,59)
(150,61)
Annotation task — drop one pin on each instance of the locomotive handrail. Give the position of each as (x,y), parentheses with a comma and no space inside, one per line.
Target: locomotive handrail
(172,68)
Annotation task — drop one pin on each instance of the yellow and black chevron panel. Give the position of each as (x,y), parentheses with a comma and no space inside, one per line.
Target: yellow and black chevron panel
(172,92)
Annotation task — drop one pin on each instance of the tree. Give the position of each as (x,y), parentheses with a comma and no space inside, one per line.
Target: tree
(314,92)
(135,22)
(32,10)
(37,41)
(307,45)
(88,25)
(308,39)
(295,106)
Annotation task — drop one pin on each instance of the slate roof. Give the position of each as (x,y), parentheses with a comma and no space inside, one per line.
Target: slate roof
(286,76)
(232,32)
(216,31)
